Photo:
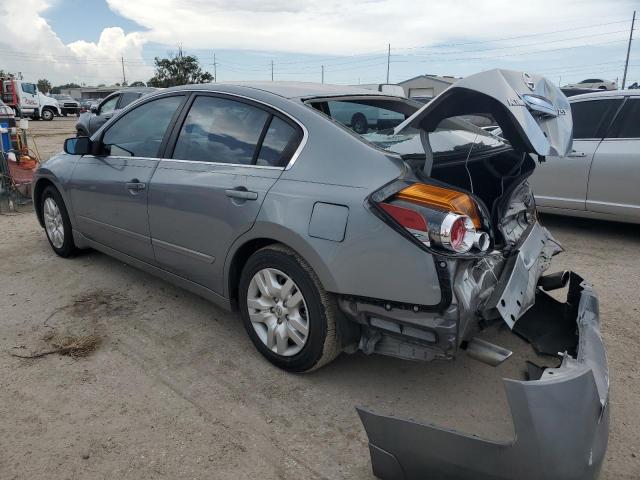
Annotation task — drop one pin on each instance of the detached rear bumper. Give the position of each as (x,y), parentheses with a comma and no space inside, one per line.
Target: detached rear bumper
(561,419)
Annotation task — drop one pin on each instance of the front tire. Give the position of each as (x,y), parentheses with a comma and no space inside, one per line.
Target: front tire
(47,114)
(56,223)
(288,315)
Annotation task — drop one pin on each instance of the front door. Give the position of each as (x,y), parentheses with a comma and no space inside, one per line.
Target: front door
(109,190)
(561,182)
(615,173)
(228,153)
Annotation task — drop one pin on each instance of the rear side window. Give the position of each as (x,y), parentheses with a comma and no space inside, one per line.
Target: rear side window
(627,124)
(126,98)
(279,144)
(139,133)
(220,130)
(363,117)
(592,117)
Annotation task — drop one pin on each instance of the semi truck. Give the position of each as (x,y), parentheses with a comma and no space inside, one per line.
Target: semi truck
(27,101)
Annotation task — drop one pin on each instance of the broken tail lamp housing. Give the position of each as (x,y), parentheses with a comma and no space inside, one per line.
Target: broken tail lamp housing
(438,216)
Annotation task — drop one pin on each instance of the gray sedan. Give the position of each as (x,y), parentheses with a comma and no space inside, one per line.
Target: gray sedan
(404,239)
(599,178)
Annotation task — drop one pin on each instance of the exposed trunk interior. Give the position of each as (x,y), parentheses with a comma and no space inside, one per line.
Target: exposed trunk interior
(489,178)
(492,178)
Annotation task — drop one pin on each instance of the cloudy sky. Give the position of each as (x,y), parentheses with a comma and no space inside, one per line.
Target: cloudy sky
(85,41)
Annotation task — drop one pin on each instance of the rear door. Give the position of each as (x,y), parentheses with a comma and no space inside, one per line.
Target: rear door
(109,190)
(615,173)
(227,153)
(561,182)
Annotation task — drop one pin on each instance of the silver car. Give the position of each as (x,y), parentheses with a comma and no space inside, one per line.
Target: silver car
(405,239)
(599,178)
(596,83)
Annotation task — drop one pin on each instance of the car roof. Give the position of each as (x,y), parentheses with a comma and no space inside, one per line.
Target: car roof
(289,90)
(606,93)
(137,90)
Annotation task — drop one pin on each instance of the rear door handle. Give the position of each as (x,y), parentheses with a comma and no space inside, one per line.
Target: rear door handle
(135,185)
(241,193)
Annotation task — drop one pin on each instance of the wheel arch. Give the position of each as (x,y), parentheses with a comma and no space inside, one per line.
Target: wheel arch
(38,190)
(260,236)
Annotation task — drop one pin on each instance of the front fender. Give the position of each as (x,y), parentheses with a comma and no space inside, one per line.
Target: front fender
(57,170)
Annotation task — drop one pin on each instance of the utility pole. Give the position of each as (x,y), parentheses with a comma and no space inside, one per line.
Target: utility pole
(272,70)
(626,63)
(388,60)
(215,68)
(322,73)
(124,79)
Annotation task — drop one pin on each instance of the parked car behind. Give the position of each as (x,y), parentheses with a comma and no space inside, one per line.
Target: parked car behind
(99,113)
(404,242)
(597,83)
(68,105)
(600,177)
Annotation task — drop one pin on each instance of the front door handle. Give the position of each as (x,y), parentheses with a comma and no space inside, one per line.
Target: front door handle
(135,185)
(241,193)
(575,154)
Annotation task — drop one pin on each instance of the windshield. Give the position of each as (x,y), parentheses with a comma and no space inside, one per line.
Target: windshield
(375,118)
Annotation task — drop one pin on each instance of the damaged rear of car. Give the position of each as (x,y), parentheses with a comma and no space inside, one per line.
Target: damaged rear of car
(471,207)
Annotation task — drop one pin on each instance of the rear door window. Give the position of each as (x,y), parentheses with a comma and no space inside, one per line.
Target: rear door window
(139,132)
(220,130)
(591,118)
(627,123)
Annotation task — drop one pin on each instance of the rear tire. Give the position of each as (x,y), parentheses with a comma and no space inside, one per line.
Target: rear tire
(312,332)
(57,223)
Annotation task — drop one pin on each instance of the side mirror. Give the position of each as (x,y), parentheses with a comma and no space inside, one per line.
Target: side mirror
(77,146)
(94,109)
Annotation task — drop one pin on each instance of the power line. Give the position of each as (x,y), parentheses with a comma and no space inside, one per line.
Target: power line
(517,37)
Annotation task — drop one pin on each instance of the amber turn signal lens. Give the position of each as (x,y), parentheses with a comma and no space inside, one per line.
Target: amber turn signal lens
(442,198)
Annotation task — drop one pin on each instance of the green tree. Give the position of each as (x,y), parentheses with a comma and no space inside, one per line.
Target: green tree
(66,85)
(138,84)
(4,74)
(44,85)
(178,69)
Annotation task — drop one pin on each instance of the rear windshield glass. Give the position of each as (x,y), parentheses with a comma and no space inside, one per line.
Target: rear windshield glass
(374,119)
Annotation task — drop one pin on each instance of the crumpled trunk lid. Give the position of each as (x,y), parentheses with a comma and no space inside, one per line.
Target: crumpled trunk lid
(532,112)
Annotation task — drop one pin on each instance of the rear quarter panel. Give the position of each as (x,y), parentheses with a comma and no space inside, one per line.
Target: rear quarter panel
(372,260)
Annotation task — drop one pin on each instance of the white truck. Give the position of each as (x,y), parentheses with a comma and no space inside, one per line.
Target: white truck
(27,101)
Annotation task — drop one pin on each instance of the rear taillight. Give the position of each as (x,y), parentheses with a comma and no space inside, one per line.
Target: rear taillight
(438,216)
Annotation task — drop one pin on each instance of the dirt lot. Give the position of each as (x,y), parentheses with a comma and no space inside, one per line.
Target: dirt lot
(176,390)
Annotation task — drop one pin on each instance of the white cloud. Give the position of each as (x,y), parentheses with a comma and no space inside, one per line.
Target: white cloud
(324,27)
(339,27)
(29,45)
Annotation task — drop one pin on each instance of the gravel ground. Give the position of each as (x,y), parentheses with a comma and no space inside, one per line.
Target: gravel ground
(176,390)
